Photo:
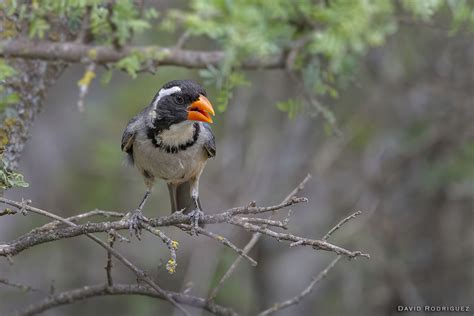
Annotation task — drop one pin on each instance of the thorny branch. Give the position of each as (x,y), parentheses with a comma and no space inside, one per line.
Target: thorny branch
(62,228)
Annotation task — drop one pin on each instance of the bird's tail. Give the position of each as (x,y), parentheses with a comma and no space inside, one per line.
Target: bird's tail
(180,197)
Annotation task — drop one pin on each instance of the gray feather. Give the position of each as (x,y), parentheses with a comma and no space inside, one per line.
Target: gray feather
(210,144)
(180,197)
(128,137)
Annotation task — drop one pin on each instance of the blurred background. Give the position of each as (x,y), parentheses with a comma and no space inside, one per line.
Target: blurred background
(405,158)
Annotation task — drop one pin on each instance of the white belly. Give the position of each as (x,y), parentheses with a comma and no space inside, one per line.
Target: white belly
(171,167)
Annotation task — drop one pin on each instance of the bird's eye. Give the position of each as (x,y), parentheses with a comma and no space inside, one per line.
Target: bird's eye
(179,99)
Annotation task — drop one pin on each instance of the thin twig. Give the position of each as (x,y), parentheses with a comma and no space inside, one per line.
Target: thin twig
(171,244)
(182,40)
(265,221)
(233,266)
(222,240)
(340,224)
(295,300)
(76,218)
(24,288)
(253,241)
(300,241)
(109,265)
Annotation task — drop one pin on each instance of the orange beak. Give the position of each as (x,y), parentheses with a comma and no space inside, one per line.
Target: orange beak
(201,110)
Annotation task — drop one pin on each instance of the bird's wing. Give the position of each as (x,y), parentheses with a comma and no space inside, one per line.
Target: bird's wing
(210,144)
(129,136)
(180,197)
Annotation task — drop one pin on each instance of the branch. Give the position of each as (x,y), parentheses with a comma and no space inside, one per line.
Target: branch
(253,241)
(259,226)
(171,244)
(221,239)
(141,275)
(39,236)
(24,288)
(108,267)
(72,296)
(295,300)
(233,266)
(74,52)
(299,241)
(340,224)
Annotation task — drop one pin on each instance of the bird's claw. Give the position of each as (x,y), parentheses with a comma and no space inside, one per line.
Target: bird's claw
(194,217)
(135,227)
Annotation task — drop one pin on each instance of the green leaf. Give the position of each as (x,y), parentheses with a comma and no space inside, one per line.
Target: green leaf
(131,64)
(10,179)
(38,27)
(291,106)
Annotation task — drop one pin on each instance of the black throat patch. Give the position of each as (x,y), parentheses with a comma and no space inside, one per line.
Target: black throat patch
(154,136)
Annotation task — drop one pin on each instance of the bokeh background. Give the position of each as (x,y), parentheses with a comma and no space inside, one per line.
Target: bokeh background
(405,159)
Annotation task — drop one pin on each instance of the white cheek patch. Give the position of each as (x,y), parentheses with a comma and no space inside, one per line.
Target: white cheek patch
(165,92)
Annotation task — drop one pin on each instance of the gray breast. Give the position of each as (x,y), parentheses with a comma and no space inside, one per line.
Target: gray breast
(171,166)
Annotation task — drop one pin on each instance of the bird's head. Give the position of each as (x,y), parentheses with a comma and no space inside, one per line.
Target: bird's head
(178,101)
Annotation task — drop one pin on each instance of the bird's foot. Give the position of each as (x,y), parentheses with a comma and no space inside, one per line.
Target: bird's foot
(194,216)
(135,220)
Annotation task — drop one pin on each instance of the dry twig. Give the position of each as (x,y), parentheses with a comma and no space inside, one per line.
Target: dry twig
(340,224)
(253,241)
(295,300)
(24,288)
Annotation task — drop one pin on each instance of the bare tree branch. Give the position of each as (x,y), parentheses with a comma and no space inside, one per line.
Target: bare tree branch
(317,244)
(141,275)
(233,266)
(253,241)
(222,240)
(86,292)
(74,52)
(295,300)
(260,226)
(340,224)
(39,236)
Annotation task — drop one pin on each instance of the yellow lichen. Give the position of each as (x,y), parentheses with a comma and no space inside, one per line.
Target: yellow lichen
(10,122)
(174,245)
(171,266)
(92,53)
(87,78)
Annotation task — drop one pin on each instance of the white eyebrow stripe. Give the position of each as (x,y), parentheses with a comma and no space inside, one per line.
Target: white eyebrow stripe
(165,92)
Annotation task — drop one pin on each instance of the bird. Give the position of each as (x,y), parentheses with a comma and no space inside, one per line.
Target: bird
(171,139)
